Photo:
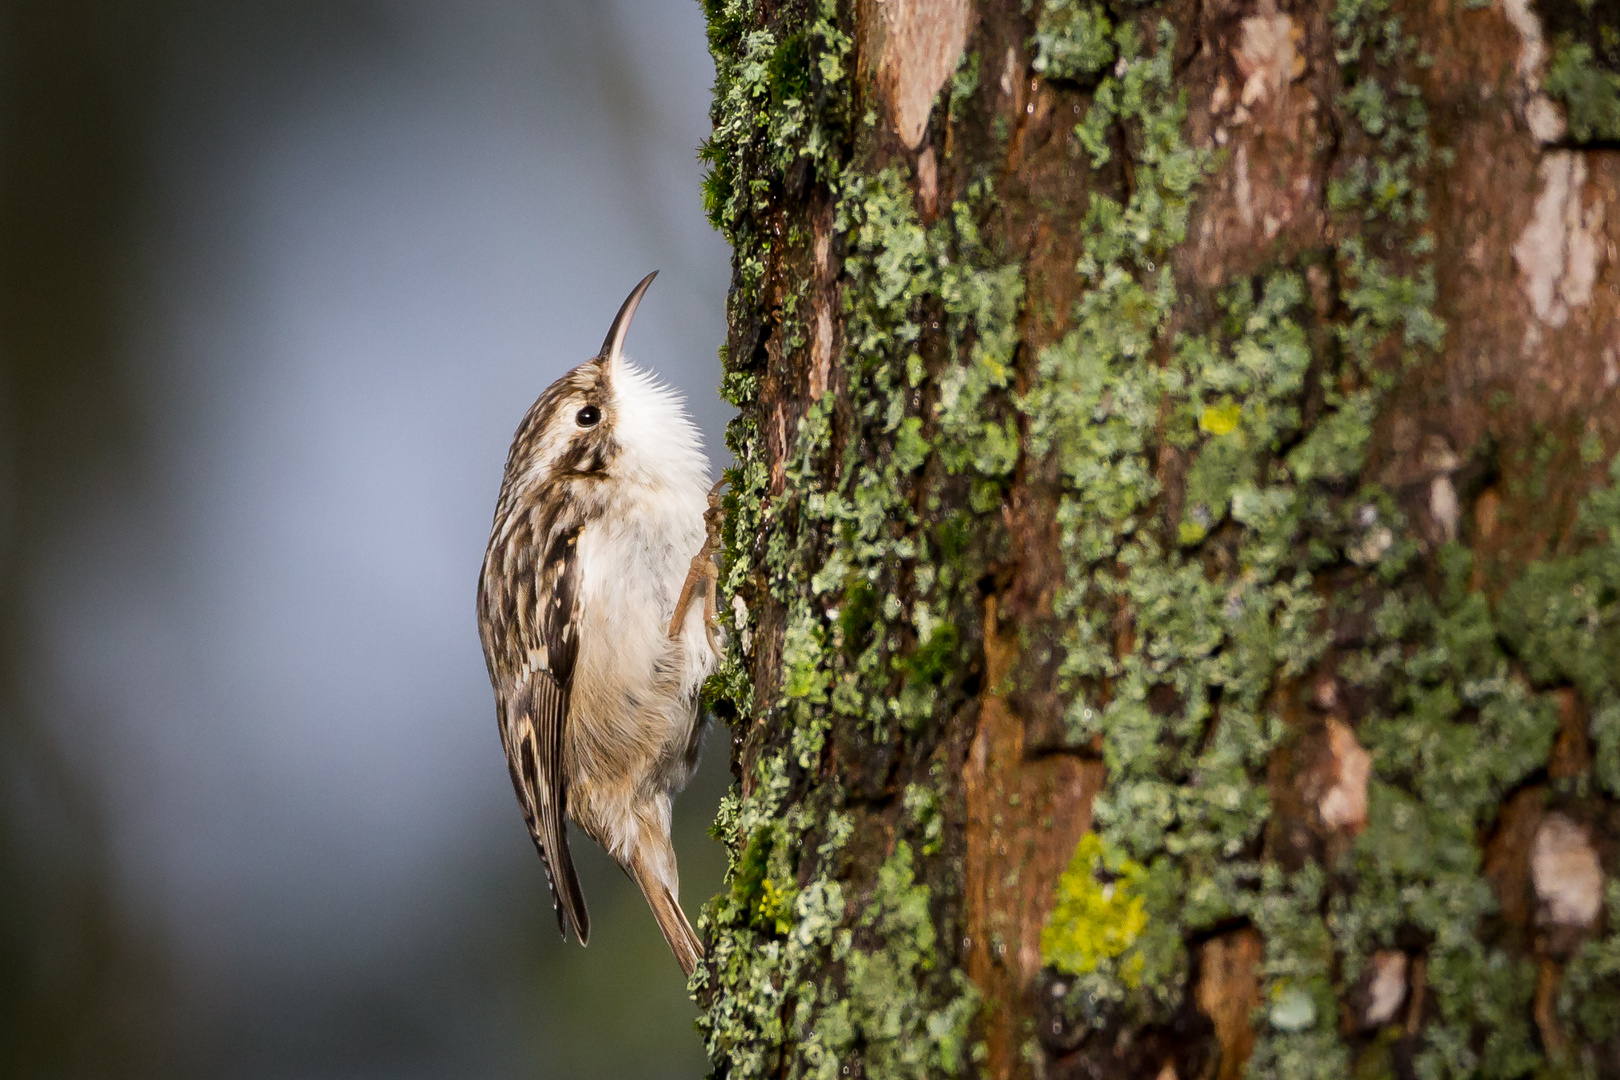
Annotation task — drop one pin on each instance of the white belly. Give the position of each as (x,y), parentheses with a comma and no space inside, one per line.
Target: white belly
(633,707)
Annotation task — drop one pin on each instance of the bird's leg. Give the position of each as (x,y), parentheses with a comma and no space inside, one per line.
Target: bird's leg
(711,616)
(703,570)
(688,588)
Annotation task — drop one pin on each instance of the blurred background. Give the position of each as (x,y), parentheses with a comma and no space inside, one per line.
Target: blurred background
(277,281)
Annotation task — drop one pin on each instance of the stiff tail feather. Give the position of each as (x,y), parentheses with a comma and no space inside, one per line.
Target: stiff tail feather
(683,940)
(559,861)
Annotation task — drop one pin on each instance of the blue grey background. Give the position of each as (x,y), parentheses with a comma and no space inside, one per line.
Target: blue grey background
(333,252)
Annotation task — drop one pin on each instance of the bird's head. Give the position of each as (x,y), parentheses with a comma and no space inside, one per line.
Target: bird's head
(606,419)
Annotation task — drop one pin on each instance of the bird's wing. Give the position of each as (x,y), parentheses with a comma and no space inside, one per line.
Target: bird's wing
(534,719)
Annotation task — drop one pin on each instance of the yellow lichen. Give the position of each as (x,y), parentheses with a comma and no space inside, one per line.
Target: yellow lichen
(1098,913)
(1222,419)
(776,905)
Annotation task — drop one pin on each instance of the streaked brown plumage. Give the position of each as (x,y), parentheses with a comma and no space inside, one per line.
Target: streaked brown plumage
(595,648)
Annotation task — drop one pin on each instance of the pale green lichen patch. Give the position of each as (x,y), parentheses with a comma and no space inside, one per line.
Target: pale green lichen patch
(1460,733)
(1591,94)
(1073,39)
(1562,616)
(901,1035)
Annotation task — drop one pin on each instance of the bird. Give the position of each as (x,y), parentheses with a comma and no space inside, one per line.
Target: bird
(588,610)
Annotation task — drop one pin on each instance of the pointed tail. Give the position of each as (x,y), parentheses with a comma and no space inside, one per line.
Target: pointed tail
(565,890)
(683,940)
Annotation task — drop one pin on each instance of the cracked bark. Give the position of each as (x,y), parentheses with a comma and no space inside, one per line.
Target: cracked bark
(1524,234)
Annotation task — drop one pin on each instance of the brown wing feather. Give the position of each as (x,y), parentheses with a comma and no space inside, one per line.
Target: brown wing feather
(534,716)
(533,737)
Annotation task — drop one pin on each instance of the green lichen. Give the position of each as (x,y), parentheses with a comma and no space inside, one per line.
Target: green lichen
(1459,734)
(1591,94)
(853,655)
(1187,794)
(898,1035)
(1562,617)
(832,556)
(1300,1033)
(1073,39)
(1213,529)
(1589,1000)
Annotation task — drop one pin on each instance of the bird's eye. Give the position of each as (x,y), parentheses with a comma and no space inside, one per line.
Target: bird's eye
(588,416)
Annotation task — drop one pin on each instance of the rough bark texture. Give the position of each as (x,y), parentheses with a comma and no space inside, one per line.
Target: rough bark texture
(1174,554)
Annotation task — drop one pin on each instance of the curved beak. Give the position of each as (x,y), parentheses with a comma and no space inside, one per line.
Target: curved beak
(612,353)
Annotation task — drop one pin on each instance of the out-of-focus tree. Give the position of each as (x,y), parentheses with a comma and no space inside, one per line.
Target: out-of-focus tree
(77,982)
(1174,551)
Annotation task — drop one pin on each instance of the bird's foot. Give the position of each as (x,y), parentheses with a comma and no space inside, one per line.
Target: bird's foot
(703,570)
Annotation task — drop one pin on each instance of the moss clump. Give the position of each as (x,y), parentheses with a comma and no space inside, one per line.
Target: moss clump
(1591,94)
(898,1034)
(762,883)
(1562,616)
(1073,39)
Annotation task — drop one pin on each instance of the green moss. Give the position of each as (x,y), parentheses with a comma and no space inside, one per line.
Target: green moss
(1591,94)
(898,1034)
(818,958)
(936,654)
(1178,646)
(1562,617)
(762,886)
(1188,794)
(1073,39)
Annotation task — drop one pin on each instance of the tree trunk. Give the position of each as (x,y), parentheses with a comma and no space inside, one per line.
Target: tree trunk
(1173,559)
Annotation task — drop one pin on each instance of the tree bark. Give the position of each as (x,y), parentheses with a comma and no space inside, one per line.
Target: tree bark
(1173,554)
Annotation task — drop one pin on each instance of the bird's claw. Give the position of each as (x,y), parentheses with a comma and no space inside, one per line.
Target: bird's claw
(703,569)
